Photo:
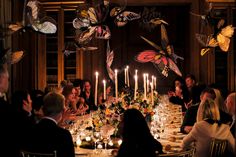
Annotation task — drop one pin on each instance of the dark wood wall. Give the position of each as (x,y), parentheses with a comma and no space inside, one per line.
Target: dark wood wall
(127,43)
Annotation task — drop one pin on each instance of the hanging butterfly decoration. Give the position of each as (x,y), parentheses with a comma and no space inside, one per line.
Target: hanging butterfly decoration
(164,59)
(122,17)
(34,17)
(73,47)
(109,61)
(221,38)
(90,22)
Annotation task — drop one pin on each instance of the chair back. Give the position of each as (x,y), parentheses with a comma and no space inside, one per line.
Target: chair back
(37,154)
(185,153)
(218,148)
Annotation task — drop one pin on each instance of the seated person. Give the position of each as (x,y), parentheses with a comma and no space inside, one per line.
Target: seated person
(179,97)
(208,126)
(136,137)
(108,95)
(37,102)
(191,113)
(21,108)
(88,96)
(80,105)
(230,104)
(46,136)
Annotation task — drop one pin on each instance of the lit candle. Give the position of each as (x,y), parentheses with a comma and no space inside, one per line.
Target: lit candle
(127,67)
(104,89)
(116,84)
(96,88)
(125,76)
(147,83)
(135,85)
(119,142)
(144,86)
(152,99)
(155,83)
(136,73)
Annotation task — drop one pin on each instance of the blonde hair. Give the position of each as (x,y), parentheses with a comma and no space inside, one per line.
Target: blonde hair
(208,109)
(219,100)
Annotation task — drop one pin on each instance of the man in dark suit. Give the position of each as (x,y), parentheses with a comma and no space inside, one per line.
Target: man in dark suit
(230,104)
(6,121)
(47,136)
(191,113)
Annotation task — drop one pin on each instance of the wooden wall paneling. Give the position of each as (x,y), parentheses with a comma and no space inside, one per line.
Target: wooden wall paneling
(231,66)
(60,46)
(79,64)
(194,58)
(42,70)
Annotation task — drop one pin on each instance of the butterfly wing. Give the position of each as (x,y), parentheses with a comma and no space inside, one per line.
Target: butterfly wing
(115,11)
(161,65)
(123,18)
(158,21)
(146,56)
(81,23)
(164,37)
(223,38)
(151,43)
(46,25)
(109,61)
(227,31)
(103,32)
(85,36)
(92,15)
(204,51)
(174,67)
(223,42)
(16,57)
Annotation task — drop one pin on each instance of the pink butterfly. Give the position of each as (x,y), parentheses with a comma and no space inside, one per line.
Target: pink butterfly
(163,58)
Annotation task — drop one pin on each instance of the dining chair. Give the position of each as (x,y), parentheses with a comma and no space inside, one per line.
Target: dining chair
(186,153)
(37,154)
(218,147)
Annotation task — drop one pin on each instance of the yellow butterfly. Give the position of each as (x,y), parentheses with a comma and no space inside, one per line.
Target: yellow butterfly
(222,39)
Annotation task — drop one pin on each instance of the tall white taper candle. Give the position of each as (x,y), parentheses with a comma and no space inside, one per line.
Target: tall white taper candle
(104,90)
(116,84)
(96,89)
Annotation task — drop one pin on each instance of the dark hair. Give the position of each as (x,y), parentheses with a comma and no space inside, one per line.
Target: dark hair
(135,125)
(136,135)
(77,83)
(67,90)
(37,99)
(191,76)
(53,104)
(17,100)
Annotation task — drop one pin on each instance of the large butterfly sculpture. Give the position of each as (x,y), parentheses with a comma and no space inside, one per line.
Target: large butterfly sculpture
(34,17)
(122,17)
(221,38)
(73,47)
(90,21)
(163,59)
(109,61)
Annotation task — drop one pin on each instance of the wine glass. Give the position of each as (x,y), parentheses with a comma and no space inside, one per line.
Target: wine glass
(96,137)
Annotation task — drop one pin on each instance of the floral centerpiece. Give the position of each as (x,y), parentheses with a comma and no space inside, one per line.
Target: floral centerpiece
(109,113)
